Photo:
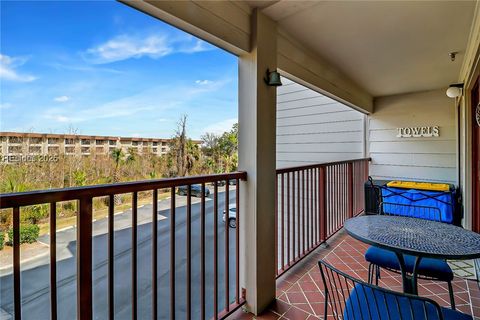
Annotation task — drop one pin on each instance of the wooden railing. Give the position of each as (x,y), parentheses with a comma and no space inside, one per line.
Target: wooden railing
(312,204)
(84,196)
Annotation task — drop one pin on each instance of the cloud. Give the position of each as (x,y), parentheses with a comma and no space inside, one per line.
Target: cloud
(83,68)
(60,118)
(221,126)
(5,106)
(199,46)
(144,104)
(123,107)
(203,82)
(123,47)
(8,66)
(61,99)
(208,85)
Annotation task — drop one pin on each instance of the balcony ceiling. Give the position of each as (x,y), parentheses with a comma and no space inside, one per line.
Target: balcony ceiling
(387,47)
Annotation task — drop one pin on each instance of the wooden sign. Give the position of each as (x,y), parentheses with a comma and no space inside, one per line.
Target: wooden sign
(417,132)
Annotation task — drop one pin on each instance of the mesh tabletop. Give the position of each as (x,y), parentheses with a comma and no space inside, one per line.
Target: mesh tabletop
(415,236)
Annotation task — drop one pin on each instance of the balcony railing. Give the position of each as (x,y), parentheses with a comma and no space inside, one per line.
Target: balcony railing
(214,297)
(312,204)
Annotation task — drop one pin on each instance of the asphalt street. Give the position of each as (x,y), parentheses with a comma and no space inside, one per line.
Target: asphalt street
(35,274)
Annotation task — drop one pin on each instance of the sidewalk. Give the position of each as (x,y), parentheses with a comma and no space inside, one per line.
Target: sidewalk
(28,252)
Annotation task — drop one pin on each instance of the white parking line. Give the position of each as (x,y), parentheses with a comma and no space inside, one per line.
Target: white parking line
(117,213)
(66,228)
(45,244)
(141,206)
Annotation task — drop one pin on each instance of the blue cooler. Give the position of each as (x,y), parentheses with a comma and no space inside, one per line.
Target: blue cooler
(432,205)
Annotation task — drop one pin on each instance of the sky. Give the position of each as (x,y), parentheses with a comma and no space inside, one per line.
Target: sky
(103,68)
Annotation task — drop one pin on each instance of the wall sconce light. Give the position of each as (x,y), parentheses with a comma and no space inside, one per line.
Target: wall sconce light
(272,78)
(454,90)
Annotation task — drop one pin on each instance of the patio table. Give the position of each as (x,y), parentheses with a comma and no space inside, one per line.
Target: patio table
(417,237)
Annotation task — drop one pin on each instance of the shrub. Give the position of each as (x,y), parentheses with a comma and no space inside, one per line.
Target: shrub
(34,214)
(2,239)
(5,219)
(28,234)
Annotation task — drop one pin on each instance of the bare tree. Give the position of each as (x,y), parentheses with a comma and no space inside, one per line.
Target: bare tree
(181,146)
(182,155)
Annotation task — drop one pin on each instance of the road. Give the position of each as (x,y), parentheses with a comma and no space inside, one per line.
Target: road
(35,274)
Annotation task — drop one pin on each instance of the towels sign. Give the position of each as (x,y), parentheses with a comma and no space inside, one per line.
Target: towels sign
(417,132)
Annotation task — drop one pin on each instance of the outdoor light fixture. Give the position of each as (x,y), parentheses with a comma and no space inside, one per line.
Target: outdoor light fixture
(454,90)
(272,78)
(452,55)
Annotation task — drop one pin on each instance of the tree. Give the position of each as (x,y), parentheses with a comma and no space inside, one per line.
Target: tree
(180,144)
(228,145)
(221,151)
(210,144)
(183,153)
(131,156)
(80,177)
(117,156)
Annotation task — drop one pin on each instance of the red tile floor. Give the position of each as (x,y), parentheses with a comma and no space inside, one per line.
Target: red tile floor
(299,295)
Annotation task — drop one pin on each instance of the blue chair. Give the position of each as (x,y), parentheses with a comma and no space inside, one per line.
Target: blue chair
(353,299)
(430,269)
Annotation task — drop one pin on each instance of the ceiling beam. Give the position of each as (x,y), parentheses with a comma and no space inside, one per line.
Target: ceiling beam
(223,24)
(472,53)
(314,72)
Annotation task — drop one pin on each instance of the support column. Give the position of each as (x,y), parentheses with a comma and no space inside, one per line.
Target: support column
(257,156)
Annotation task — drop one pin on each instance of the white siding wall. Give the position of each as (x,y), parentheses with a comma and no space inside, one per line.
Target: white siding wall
(312,128)
(427,159)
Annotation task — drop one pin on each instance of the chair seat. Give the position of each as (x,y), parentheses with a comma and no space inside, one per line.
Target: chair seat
(434,268)
(453,314)
(367,303)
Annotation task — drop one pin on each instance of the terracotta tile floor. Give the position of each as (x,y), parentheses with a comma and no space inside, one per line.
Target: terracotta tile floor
(299,295)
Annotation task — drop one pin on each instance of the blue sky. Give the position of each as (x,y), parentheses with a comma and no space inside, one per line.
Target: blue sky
(102,68)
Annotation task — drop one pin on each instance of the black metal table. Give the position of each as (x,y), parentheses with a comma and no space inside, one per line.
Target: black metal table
(416,237)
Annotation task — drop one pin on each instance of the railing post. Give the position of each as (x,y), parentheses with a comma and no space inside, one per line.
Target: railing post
(277,250)
(350,188)
(84,259)
(322,203)
(17,295)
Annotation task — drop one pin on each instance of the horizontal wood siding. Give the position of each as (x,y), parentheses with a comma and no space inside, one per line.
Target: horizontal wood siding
(427,159)
(313,128)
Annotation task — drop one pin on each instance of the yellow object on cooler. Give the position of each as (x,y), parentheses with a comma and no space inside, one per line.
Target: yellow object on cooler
(419,185)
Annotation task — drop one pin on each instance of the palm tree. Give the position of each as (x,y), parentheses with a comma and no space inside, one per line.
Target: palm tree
(117,156)
(131,156)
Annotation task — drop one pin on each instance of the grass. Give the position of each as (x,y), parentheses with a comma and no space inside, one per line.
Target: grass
(64,222)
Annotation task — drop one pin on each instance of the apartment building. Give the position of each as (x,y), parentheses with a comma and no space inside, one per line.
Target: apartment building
(16,143)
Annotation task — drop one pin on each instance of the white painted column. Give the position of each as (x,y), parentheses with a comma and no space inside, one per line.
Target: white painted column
(257,148)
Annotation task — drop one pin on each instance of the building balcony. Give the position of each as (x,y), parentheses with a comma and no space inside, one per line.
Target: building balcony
(178,257)
(191,262)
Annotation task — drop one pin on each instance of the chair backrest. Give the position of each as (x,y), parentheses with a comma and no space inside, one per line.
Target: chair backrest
(347,298)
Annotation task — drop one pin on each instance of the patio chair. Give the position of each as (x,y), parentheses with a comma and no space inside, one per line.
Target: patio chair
(353,299)
(429,268)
